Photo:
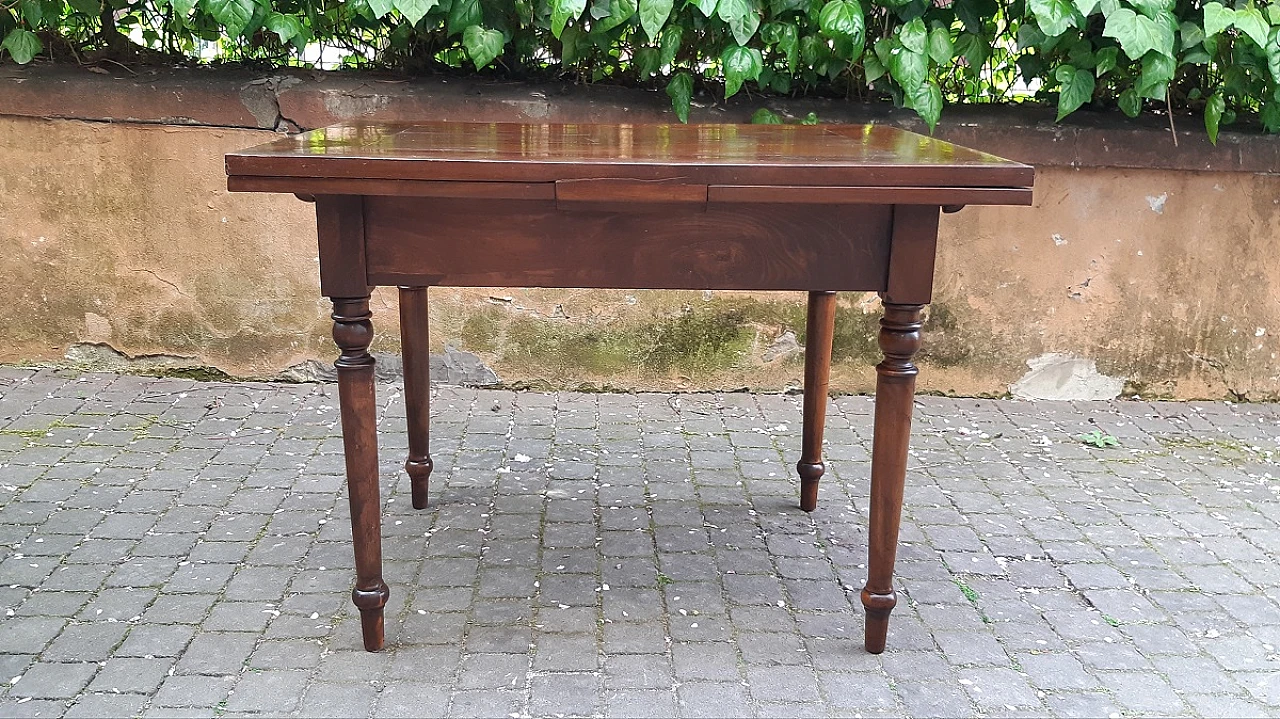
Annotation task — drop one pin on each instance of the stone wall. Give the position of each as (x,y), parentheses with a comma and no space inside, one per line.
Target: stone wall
(1143,266)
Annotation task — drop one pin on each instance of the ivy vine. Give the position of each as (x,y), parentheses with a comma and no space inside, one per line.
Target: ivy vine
(1220,58)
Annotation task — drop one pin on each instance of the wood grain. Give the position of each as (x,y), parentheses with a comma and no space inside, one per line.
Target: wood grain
(466,244)
(895,398)
(820,324)
(832,155)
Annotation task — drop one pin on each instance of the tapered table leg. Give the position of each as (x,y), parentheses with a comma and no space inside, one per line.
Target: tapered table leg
(895,395)
(417,389)
(353,331)
(819,328)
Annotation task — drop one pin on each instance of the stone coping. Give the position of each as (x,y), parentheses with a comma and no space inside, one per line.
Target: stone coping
(302,99)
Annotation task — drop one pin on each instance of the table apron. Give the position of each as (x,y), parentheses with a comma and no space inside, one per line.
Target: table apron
(485,243)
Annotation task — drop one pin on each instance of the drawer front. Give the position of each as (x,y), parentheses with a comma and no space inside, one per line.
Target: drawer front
(526,243)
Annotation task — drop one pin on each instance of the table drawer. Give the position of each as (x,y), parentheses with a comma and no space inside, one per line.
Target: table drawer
(484,243)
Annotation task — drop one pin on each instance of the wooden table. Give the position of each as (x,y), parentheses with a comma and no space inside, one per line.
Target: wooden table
(746,207)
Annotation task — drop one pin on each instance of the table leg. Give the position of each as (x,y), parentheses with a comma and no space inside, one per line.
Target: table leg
(417,389)
(353,331)
(895,395)
(819,328)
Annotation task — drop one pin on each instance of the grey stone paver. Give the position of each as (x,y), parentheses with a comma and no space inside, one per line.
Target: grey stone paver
(174,548)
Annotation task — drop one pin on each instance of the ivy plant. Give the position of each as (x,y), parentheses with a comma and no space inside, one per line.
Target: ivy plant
(1220,58)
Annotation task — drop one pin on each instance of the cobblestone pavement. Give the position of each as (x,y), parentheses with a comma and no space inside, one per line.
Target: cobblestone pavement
(174,548)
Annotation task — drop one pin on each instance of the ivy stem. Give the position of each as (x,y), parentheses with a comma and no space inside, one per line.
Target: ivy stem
(1168,109)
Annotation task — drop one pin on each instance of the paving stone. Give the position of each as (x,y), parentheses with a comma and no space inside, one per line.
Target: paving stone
(217,653)
(50,680)
(782,684)
(95,706)
(269,691)
(86,642)
(1056,672)
(1081,568)
(713,699)
(993,688)
(410,701)
(1143,692)
(29,635)
(131,675)
(862,691)
(640,703)
(715,661)
(564,695)
(486,703)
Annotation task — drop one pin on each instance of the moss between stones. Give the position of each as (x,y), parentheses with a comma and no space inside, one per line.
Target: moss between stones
(699,338)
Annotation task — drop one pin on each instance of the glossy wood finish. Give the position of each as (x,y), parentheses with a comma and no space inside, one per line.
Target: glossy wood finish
(876,155)
(816,209)
(895,396)
(535,244)
(416,346)
(820,325)
(352,332)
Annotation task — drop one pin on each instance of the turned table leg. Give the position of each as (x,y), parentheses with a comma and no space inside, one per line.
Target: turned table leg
(353,331)
(417,389)
(819,328)
(895,395)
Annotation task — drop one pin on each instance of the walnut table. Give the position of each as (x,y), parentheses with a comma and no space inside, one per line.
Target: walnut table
(818,209)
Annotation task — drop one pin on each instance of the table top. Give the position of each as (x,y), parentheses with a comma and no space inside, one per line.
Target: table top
(866,156)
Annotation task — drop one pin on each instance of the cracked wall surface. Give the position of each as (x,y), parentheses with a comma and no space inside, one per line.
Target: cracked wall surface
(123,235)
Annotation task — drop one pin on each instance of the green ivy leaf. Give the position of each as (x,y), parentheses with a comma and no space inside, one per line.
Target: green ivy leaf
(940,48)
(1190,35)
(742,18)
(561,11)
(1270,116)
(1139,34)
(873,68)
(680,90)
(88,7)
(843,19)
(913,36)
(1157,71)
(1076,89)
(910,69)
(926,100)
(1106,58)
(572,42)
(669,45)
(1213,115)
(1130,103)
(465,13)
(740,64)
(653,15)
(1217,18)
(765,116)
(23,45)
(1087,7)
(647,63)
(379,8)
(1054,16)
(620,11)
(1153,8)
(285,26)
(706,7)
(1251,22)
(789,44)
(234,15)
(482,45)
(1273,54)
(183,8)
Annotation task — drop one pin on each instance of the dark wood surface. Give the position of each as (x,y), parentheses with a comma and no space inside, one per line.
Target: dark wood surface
(665,246)
(818,209)
(836,155)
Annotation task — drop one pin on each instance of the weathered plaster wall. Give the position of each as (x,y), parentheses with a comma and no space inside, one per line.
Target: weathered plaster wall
(121,233)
